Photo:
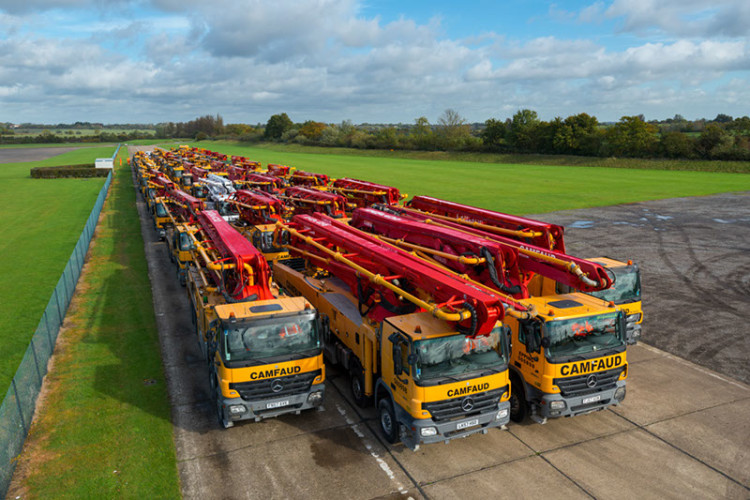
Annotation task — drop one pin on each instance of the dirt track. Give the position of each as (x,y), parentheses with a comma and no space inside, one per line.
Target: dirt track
(694,255)
(18,155)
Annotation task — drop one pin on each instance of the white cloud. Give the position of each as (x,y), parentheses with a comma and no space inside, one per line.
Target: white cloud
(321,59)
(692,18)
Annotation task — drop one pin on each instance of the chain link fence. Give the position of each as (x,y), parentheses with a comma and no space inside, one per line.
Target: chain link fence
(17,409)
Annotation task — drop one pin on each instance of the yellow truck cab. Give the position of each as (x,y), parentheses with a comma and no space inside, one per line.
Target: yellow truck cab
(180,245)
(264,356)
(162,220)
(262,238)
(625,292)
(198,190)
(569,360)
(429,382)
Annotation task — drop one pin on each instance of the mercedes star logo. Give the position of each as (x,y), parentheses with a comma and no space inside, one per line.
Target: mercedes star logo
(591,380)
(277,385)
(467,404)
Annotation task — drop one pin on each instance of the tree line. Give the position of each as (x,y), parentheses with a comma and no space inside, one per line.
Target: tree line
(722,138)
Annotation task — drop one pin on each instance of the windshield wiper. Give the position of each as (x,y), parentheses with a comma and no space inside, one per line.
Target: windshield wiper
(490,372)
(454,379)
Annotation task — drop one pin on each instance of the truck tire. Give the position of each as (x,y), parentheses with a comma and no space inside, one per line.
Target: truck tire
(388,423)
(221,413)
(357,386)
(519,407)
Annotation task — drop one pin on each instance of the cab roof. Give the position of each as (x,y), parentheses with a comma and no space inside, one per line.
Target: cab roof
(263,308)
(569,305)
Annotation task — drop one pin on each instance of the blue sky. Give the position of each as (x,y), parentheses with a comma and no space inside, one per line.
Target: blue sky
(146,61)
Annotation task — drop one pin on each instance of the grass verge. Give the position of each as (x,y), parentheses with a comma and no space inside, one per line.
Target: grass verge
(103,428)
(42,220)
(512,188)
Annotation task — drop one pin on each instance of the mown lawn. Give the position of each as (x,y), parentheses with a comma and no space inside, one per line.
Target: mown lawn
(40,225)
(512,188)
(105,430)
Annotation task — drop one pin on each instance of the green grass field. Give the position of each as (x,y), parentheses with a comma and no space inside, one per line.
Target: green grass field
(42,220)
(512,188)
(105,429)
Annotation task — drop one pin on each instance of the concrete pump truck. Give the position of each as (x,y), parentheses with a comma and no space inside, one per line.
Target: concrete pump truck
(428,349)
(567,351)
(263,349)
(625,290)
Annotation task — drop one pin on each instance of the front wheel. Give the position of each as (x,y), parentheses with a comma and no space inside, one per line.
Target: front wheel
(519,407)
(221,414)
(388,423)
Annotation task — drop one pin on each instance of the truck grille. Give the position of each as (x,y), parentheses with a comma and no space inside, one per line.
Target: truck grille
(263,389)
(449,409)
(579,385)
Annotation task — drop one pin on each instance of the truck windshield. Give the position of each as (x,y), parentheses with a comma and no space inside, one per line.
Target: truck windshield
(269,338)
(626,288)
(160,210)
(263,241)
(186,242)
(187,180)
(573,337)
(457,354)
(199,191)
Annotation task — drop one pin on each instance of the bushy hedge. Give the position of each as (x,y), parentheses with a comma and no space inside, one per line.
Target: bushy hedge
(67,171)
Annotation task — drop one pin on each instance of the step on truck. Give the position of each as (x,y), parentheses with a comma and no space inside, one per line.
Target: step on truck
(428,349)
(567,351)
(263,350)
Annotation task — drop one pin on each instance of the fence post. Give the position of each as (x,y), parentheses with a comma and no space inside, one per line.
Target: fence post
(59,309)
(45,318)
(18,403)
(65,289)
(36,361)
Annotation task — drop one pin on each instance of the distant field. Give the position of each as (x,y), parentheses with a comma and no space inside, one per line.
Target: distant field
(73,132)
(514,188)
(41,222)
(59,145)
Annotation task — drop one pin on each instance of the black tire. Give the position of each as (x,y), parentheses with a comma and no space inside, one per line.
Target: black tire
(357,386)
(519,407)
(221,414)
(388,423)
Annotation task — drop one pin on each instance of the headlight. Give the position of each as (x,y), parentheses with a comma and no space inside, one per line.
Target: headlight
(428,431)
(502,414)
(557,405)
(620,394)
(315,398)
(237,409)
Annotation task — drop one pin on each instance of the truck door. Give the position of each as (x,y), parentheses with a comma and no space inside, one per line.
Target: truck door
(530,355)
(401,370)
